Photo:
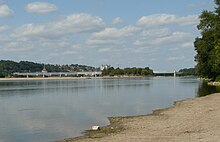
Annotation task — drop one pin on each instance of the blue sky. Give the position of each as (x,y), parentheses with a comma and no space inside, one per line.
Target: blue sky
(155,33)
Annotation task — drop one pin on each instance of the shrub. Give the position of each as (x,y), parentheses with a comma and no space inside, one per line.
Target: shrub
(217,78)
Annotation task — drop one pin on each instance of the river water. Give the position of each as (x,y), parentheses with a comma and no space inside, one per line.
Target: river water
(49,110)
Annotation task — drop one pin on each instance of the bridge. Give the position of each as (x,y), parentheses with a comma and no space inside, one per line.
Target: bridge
(59,74)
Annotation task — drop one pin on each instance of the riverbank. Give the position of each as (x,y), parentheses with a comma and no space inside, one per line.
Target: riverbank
(189,120)
(45,78)
(64,78)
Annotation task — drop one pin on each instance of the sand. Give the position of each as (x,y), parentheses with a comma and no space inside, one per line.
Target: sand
(192,120)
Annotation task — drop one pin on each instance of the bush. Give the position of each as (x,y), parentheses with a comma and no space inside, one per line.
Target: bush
(217,78)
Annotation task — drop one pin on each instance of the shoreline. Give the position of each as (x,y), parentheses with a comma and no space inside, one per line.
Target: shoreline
(191,120)
(65,78)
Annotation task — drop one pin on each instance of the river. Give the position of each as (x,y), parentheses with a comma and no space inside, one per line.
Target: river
(49,110)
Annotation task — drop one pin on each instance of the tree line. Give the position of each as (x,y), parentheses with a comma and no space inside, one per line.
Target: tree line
(128,71)
(207,45)
(7,67)
(188,72)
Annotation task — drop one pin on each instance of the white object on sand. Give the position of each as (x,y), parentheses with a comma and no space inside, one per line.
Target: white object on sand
(95,128)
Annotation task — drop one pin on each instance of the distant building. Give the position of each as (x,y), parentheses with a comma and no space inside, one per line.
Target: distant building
(104,67)
(44,70)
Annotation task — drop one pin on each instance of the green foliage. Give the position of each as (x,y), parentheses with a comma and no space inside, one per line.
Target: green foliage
(7,68)
(128,71)
(188,71)
(218,78)
(208,45)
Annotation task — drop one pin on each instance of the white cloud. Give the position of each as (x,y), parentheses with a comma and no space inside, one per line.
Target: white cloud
(187,45)
(175,37)
(113,36)
(16,46)
(117,20)
(69,53)
(166,37)
(176,58)
(105,50)
(4,39)
(5,11)
(106,42)
(72,35)
(116,33)
(76,23)
(40,7)
(188,20)
(167,19)
(156,32)
(54,43)
(30,30)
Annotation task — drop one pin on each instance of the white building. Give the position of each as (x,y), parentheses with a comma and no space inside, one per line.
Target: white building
(44,70)
(104,67)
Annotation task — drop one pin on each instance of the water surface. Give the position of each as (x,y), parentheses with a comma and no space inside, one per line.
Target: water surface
(49,110)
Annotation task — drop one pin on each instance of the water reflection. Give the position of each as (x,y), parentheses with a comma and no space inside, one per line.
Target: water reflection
(49,110)
(205,89)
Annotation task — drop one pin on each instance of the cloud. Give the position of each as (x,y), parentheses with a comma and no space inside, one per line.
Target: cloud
(40,7)
(5,11)
(59,43)
(117,20)
(17,46)
(105,50)
(187,45)
(156,32)
(3,27)
(161,37)
(112,36)
(175,37)
(176,58)
(76,23)
(167,19)
(72,36)
(116,33)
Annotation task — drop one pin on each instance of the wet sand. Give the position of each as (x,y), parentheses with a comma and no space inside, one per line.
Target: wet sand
(192,120)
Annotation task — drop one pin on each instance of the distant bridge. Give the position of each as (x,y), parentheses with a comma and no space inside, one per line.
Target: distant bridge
(60,74)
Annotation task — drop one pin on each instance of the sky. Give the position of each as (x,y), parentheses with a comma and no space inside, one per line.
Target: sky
(122,33)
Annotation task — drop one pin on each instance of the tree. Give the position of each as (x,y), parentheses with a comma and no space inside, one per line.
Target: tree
(188,71)
(128,71)
(7,68)
(208,45)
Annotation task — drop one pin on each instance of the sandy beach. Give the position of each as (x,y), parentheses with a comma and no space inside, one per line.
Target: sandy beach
(192,120)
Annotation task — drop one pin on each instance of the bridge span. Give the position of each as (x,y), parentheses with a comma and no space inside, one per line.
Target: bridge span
(59,74)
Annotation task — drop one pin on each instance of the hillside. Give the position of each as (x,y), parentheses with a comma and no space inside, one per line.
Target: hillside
(8,67)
